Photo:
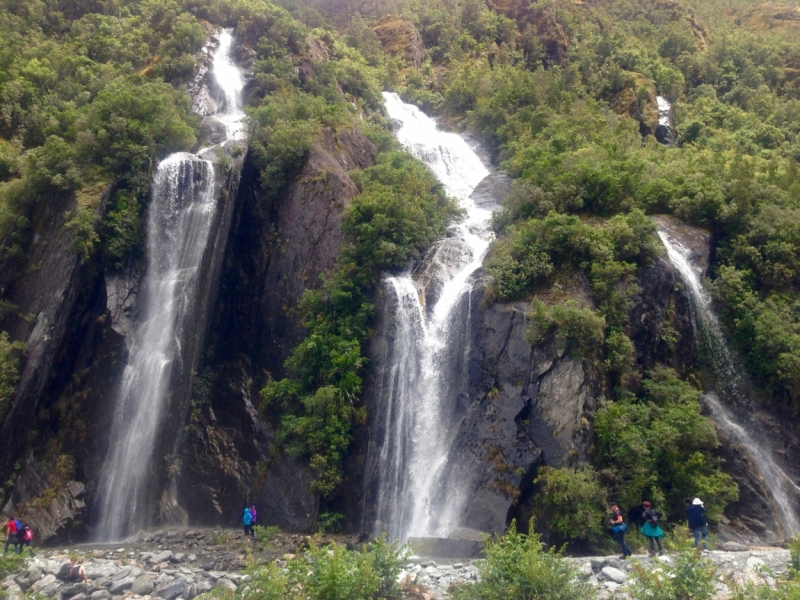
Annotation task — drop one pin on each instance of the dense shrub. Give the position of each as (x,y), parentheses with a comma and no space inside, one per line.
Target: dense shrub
(518,567)
(688,576)
(572,502)
(331,573)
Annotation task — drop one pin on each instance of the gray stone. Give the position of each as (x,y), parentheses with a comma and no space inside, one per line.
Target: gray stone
(68,590)
(586,569)
(161,557)
(98,570)
(23,582)
(44,581)
(100,595)
(613,574)
(143,585)
(80,596)
(120,585)
(50,589)
(733,547)
(225,583)
(171,590)
(203,587)
(123,572)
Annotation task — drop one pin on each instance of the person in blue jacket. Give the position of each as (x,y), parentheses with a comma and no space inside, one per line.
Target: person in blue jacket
(247,519)
(696,516)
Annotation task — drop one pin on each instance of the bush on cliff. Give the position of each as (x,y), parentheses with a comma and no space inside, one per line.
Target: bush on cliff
(572,504)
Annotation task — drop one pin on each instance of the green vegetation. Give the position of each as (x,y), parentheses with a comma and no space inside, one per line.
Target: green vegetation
(573,503)
(660,447)
(689,576)
(331,573)
(518,567)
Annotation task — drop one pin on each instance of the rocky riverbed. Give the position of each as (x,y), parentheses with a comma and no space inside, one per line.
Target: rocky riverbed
(182,564)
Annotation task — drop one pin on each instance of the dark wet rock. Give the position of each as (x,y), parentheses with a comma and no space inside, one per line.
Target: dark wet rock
(47,498)
(280,246)
(492,191)
(212,131)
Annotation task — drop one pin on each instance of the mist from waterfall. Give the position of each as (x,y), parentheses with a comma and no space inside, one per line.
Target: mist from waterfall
(179,220)
(733,389)
(415,495)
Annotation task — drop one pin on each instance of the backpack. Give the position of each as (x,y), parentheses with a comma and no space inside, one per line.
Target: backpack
(654,516)
(27,533)
(64,572)
(18,524)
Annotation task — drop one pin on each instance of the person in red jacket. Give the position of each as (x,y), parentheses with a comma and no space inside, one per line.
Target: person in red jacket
(12,535)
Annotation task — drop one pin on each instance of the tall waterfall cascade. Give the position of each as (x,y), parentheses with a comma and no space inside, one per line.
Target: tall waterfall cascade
(417,495)
(734,390)
(179,221)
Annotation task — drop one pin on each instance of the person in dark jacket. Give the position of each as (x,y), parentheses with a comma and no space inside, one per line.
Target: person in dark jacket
(696,517)
(618,529)
(650,528)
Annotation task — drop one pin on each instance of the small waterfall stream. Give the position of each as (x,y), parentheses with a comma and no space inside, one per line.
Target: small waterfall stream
(733,389)
(178,227)
(665,132)
(415,495)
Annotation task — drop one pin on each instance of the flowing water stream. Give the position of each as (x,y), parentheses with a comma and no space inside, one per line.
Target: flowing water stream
(178,225)
(733,389)
(414,496)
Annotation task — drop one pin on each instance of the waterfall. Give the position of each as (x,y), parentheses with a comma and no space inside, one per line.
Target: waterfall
(179,221)
(733,388)
(665,132)
(415,496)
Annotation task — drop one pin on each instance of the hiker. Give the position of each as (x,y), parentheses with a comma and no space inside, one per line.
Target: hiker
(25,538)
(618,529)
(65,571)
(650,529)
(12,535)
(253,515)
(696,516)
(247,519)
(76,573)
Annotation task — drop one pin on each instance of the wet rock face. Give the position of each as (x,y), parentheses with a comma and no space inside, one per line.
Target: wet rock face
(46,297)
(277,250)
(49,499)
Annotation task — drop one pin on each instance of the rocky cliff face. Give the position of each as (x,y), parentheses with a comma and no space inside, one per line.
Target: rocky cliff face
(278,250)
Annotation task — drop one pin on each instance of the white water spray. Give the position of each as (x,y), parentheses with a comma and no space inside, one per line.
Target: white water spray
(178,226)
(785,493)
(414,497)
